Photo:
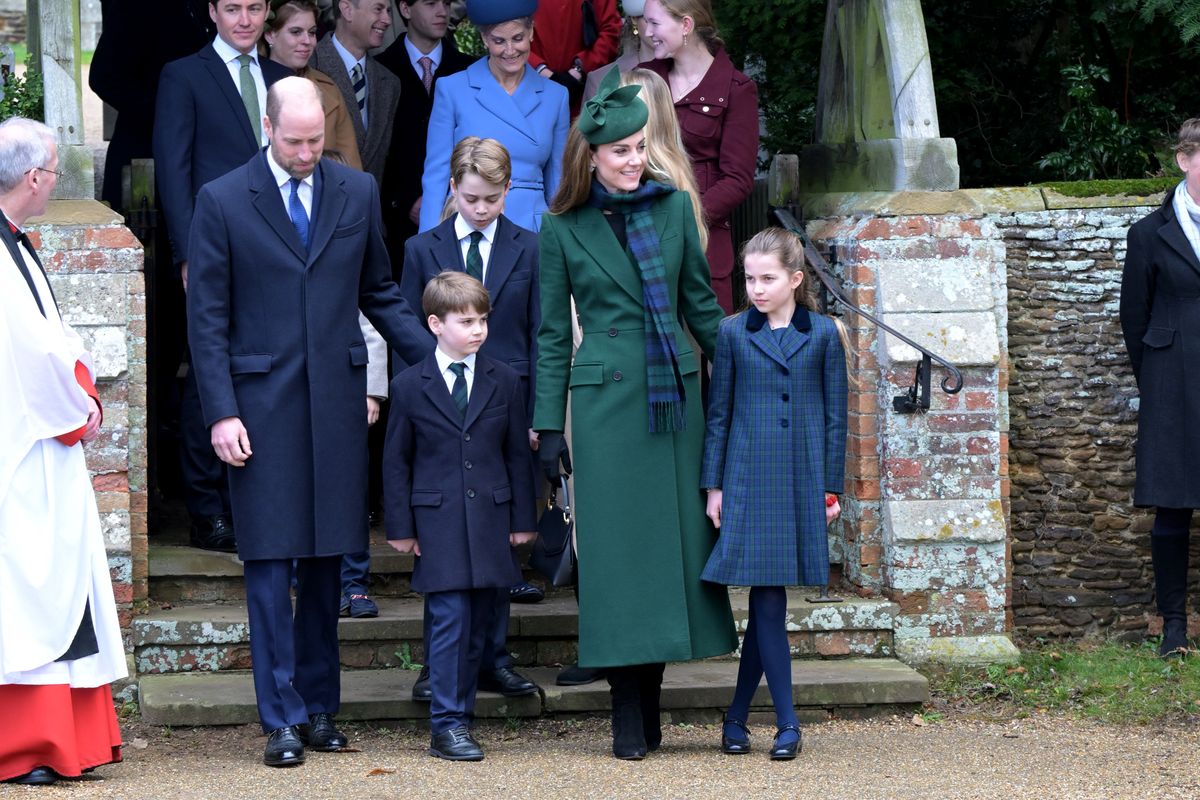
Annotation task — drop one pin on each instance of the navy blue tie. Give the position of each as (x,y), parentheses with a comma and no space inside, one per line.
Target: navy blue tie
(297,213)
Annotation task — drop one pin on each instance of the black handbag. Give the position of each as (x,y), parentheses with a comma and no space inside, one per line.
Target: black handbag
(553,555)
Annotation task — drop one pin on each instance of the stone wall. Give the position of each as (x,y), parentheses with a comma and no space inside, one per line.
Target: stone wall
(1081,560)
(95,267)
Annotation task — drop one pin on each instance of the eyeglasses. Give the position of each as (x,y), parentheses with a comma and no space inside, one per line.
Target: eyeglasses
(43,169)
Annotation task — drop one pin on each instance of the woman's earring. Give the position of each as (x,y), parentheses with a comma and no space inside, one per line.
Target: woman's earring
(633,25)
(591,167)
(685,40)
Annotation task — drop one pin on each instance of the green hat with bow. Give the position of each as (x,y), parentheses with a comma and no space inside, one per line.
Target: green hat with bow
(614,112)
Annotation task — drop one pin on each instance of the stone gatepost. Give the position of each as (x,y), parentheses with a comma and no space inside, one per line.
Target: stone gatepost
(925,522)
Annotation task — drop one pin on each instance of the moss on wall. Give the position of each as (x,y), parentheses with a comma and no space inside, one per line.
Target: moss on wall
(1136,187)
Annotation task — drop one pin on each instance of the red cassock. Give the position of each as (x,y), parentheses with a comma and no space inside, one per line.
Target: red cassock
(68,730)
(558,37)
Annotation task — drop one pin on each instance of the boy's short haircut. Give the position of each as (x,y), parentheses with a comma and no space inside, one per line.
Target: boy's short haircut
(454,292)
(486,158)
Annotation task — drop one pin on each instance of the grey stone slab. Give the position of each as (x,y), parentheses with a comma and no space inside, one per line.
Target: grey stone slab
(933,521)
(948,284)
(170,560)
(965,338)
(228,698)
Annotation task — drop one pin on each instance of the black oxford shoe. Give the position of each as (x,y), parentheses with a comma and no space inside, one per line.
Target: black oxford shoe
(321,734)
(38,776)
(506,682)
(284,748)
(214,533)
(456,745)
(422,692)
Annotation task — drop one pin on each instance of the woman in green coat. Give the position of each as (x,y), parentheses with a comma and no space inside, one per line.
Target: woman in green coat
(628,251)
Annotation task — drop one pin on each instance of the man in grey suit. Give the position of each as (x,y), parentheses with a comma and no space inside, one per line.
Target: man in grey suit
(366,86)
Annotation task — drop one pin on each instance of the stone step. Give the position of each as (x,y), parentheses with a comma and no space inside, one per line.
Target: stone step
(182,574)
(215,636)
(692,692)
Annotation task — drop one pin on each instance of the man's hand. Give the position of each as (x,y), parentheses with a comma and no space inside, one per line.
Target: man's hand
(713,508)
(231,442)
(406,546)
(414,213)
(183,274)
(522,537)
(373,407)
(534,440)
(92,428)
(832,510)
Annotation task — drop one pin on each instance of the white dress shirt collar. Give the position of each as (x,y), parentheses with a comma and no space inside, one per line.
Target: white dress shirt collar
(283,181)
(227,52)
(348,58)
(415,55)
(463,229)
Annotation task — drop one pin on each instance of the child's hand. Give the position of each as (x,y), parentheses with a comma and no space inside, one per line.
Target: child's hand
(372,411)
(832,509)
(406,546)
(524,537)
(533,439)
(714,507)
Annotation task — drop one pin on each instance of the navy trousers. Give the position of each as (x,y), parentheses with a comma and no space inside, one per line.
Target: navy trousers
(205,487)
(457,629)
(495,644)
(296,664)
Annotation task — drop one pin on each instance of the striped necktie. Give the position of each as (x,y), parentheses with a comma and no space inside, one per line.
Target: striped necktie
(250,96)
(459,392)
(359,79)
(474,257)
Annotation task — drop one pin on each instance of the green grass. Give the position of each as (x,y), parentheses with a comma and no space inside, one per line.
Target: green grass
(1136,187)
(1110,682)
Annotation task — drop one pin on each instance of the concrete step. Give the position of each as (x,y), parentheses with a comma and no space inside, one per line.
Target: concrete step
(692,692)
(182,574)
(215,636)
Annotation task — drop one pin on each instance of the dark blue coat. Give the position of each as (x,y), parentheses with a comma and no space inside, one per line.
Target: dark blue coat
(512,283)
(459,485)
(275,341)
(775,444)
(201,132)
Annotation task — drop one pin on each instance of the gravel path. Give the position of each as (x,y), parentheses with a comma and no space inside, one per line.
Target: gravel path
(893,759)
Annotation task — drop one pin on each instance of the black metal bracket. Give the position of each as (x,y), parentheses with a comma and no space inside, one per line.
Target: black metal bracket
(917,398)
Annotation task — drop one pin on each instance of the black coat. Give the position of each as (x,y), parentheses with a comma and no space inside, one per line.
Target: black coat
(1160,320)
(406,155)
(275,341)
(459,485)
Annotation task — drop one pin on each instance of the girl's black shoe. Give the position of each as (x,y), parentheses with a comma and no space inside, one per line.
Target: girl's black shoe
(787,750)
(735,745)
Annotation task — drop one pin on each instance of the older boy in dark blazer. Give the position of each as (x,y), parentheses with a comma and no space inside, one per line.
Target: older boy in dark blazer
(479,240)
(458,491)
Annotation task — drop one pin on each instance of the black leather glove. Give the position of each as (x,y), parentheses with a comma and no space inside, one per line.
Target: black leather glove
(553,455)
(574,88)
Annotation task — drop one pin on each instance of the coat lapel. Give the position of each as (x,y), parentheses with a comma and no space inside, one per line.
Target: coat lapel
(220,76)
(482,389)
(269,203)
(505,253)
(597,240)
(779,348)
(329,199)
(1172,233)
(445,250)
(491,95)
(435,389)
(328,61)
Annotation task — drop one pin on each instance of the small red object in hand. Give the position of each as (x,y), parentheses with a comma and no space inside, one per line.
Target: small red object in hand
(830,500)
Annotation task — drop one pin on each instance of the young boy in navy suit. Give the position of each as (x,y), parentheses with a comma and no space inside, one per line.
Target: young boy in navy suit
(477,239)
(458,489)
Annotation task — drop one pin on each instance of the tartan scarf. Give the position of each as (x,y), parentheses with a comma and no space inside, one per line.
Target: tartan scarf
(664,381)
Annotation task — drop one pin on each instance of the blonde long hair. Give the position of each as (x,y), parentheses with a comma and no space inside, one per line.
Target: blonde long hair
(667,160)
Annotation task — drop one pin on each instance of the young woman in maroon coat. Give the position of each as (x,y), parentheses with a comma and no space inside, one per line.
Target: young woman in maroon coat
(718,111)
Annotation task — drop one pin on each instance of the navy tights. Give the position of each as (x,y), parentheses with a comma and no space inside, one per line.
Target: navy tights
(765,651)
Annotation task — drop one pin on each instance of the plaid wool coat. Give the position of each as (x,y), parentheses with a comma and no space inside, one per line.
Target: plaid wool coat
(775,444)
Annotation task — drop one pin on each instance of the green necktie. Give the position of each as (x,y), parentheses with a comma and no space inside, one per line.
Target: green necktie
(474,258)
(250,97)
(459,392)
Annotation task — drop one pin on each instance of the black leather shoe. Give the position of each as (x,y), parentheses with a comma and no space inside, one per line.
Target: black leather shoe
(38,776)
(321,734)
(456,745)
(525,592)
(576,675)
(422,692)
(284,748)
(214,533)
(1174,639)
(788,750)
(735,745)
(506,682)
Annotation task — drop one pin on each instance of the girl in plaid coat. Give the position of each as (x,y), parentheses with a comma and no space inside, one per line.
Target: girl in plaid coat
(774,461)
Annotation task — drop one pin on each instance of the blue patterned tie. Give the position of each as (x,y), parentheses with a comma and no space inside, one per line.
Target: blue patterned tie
(296,212)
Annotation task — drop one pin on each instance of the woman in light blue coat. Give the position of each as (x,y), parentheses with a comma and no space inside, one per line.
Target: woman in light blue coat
(499,97)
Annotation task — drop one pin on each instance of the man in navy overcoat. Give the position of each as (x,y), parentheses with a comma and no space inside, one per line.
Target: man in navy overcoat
(284,252)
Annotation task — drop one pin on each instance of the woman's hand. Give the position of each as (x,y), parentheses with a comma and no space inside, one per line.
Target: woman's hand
(713,510)
(373,408)
(406,545)
(521,537)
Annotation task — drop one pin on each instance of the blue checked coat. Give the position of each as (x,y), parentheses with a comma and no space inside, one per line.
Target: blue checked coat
(776,442)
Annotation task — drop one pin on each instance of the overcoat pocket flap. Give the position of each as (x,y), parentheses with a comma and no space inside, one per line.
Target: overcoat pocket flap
(587,374)
(1159,337)
(502,494)
(358,355)
(431,499)
(688,363)
(249,362)
(349,230)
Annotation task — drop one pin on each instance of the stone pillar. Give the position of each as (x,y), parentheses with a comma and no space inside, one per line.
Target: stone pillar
(925,518)
(95,267)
